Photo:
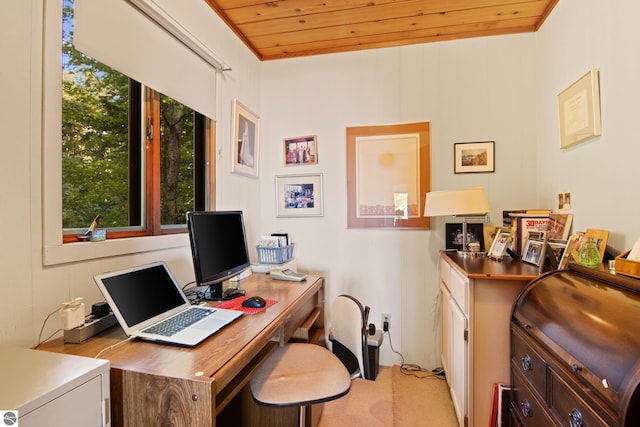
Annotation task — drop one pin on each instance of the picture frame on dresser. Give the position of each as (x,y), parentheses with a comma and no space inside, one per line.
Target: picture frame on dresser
(500,244)
(453,238)
(535,249)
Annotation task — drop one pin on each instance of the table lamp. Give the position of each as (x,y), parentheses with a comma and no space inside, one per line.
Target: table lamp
(464,204)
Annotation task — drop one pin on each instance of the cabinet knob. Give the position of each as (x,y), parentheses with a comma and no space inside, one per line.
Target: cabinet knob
(525,407)
(576,368)
(575,418)
(526,363)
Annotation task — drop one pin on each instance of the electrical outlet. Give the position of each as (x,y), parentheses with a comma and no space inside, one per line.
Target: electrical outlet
(386,321)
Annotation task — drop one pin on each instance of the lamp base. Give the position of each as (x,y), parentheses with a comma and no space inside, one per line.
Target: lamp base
(467,252)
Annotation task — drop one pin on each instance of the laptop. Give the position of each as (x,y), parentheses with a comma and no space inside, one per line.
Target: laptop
(146,299)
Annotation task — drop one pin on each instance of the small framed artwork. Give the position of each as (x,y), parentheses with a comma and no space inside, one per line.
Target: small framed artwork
(600,237)
(299,195)
(535,249)
(579,108)
(246,141)
(471,157)
(555,251)
(302,150)
(475,233)
(567,255)
(500,244)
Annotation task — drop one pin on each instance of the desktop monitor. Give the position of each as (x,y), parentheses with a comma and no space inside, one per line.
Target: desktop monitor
(219,249)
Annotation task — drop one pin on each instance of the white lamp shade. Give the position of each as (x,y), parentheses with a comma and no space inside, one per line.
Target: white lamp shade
(471,201)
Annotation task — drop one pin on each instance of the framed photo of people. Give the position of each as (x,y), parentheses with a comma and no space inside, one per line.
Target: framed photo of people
(299,195)
(302,150)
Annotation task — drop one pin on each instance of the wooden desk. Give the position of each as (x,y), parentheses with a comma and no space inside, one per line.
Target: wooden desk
(158,384)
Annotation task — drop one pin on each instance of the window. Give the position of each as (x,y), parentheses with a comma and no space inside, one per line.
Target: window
(130,154)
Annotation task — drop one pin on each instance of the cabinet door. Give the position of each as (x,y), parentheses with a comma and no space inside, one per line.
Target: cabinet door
(446,332)
(459,359)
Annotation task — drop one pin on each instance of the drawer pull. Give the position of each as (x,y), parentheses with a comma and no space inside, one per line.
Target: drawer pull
(575,418)
(525,407)
(576,368)
(526,363)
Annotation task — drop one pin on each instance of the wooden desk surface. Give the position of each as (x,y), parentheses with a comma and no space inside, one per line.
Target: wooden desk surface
(482,267)
(218,360)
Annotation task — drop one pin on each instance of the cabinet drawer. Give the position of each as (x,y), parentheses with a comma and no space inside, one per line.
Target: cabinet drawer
(459,287)
(528,362)
(566,404)
(445,271)
(526,405)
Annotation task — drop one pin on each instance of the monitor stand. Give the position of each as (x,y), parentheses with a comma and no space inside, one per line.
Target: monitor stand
(215,293)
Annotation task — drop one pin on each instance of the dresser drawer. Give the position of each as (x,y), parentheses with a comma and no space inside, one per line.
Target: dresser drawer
(445,271)
(568,407)
(459,287)
(526,405)
(528,362)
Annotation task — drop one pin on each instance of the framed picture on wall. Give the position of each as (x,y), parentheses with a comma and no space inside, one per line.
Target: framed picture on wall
(579,109)
(246,141)
(388,176)
(302,150)
(473,157)
(299,195)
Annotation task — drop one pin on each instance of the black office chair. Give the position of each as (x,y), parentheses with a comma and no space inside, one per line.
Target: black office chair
(349,333)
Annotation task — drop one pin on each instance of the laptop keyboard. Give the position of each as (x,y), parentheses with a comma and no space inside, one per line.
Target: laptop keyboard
(175,324)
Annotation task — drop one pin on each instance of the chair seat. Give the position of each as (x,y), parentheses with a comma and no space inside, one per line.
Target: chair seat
(299,375)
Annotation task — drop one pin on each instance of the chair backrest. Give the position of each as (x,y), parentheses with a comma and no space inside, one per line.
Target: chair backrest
(349,328)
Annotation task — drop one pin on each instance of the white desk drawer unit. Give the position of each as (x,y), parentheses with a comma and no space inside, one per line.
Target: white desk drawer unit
(43,388)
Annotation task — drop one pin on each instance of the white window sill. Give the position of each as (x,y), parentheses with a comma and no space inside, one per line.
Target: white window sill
(82,251)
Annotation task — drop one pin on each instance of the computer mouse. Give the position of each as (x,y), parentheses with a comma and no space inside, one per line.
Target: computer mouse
(254,302)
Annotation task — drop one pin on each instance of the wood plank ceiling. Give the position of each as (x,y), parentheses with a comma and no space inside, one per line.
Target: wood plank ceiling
(290,28)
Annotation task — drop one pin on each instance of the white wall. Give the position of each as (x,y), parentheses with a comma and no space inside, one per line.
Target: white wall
(469,90)
(599,173)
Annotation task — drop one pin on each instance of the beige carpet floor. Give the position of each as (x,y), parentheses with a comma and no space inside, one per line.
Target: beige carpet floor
(393,399)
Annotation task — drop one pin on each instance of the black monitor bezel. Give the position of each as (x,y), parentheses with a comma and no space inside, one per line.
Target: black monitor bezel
(214,282)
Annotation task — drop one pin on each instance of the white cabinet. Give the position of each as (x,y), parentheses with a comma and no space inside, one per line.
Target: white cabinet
(477,297)
(54,389)
(454,341)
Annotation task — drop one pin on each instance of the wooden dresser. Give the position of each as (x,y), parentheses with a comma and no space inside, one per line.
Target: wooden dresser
(575,350)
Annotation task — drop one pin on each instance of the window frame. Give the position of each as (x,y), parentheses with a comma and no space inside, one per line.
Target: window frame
(47,75)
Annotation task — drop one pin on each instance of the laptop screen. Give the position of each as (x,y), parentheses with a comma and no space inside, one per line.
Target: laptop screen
(142,294)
